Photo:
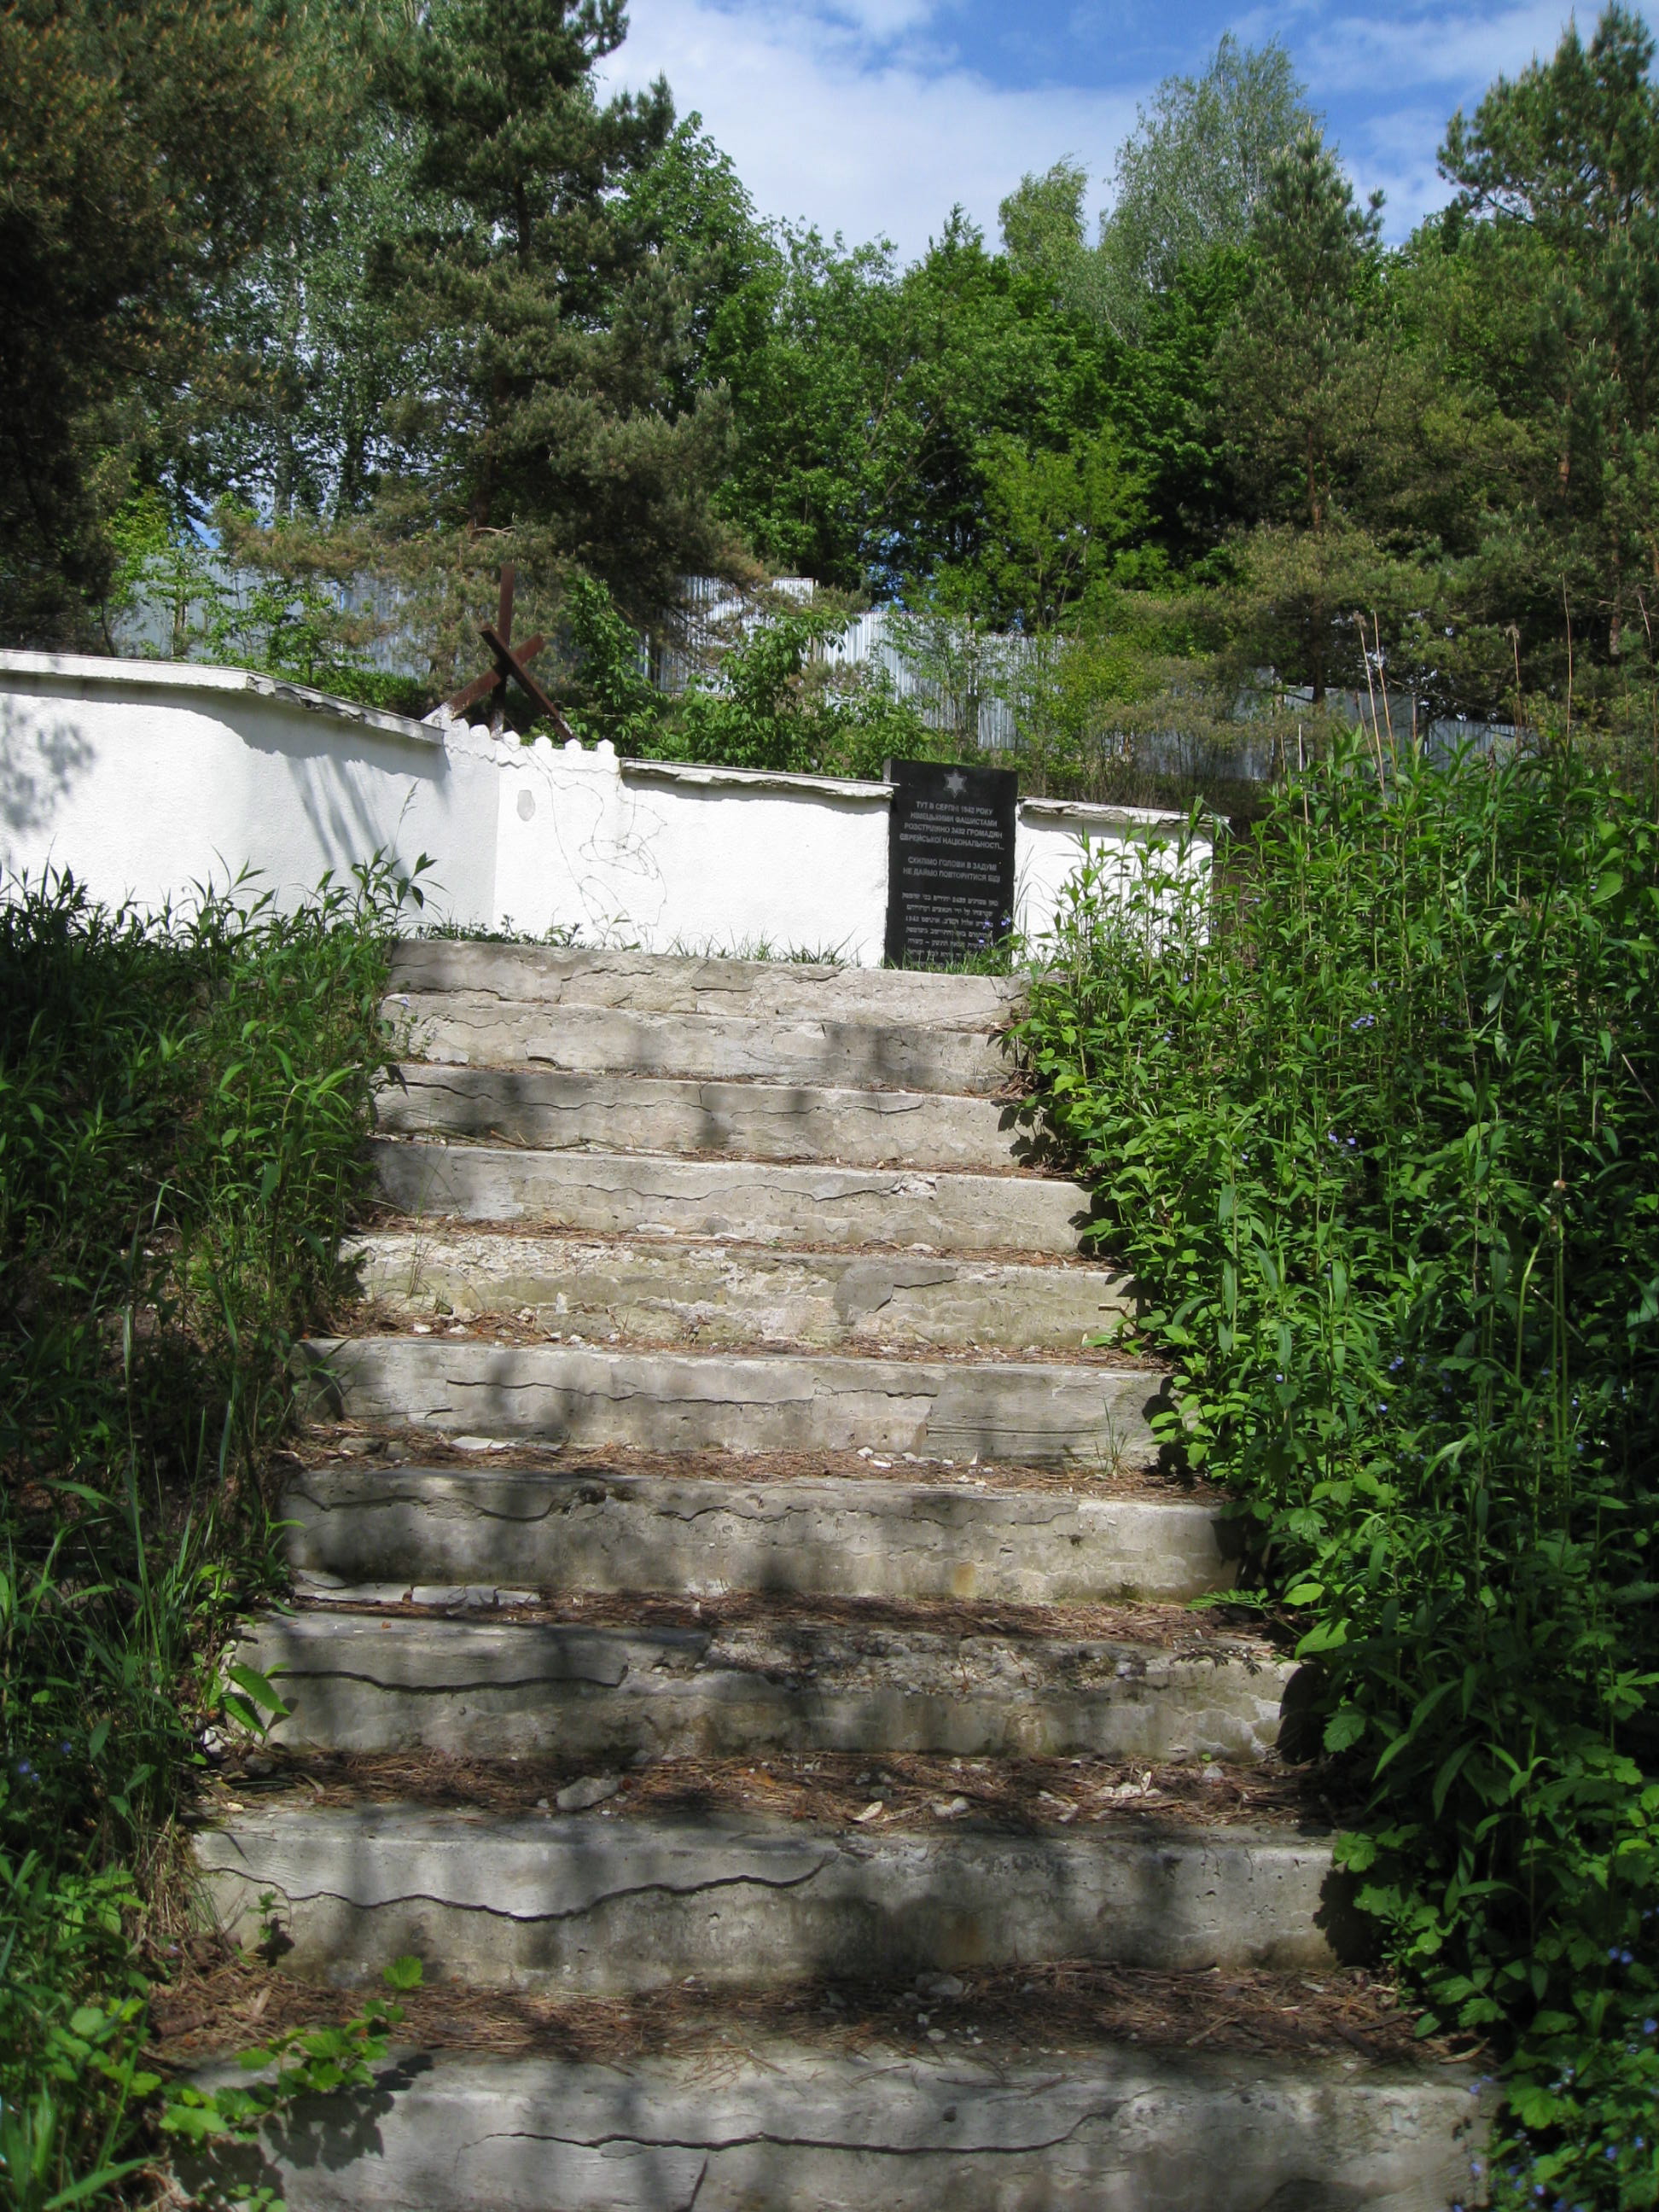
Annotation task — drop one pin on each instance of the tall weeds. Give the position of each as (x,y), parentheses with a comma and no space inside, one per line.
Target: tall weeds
(1377,1128)
(182,1105)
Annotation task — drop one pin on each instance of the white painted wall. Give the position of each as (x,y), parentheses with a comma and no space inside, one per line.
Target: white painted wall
(665,856)
(148,778)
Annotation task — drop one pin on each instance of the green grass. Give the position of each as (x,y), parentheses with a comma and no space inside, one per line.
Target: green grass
(1377,1131)
(182,1099)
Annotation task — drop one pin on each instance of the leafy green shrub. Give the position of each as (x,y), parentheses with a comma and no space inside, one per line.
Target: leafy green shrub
(768,704)
(72,2015)
(1378,1129)
(182,1100)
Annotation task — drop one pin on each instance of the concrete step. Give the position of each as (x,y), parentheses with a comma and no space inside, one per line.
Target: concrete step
(550,1108)
(874,1537)
(793,2126)
(776,2125)
(469,1027)
(590,1903)
(382,1682)
(1023,1412)
(695,1294)
(662,983)
(756,1202)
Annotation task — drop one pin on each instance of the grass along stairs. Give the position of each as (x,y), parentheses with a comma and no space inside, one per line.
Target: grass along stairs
(739,1645)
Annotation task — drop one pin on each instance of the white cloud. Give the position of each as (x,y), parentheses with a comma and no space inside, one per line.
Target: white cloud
(845,120)
(1452,46)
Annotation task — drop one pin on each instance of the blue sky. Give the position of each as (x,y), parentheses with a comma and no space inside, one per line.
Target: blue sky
(873,115)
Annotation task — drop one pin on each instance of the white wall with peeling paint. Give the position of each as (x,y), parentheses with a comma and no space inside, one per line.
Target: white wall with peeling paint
(148,778)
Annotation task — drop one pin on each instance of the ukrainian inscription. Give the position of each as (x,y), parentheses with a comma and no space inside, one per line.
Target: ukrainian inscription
(949,861)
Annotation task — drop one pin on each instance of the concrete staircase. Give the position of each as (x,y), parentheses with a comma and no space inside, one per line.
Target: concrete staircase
(739,1643)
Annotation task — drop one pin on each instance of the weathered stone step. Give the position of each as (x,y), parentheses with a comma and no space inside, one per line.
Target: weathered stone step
(664,983)
(879,1537)
(469,1027)
(757,1202)
(550,1108)
(363,1682)
(775,2125)
(1019,1411)
(590,1903)
(690,1293)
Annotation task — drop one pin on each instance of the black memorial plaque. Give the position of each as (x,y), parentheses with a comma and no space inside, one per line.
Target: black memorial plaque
(950,861)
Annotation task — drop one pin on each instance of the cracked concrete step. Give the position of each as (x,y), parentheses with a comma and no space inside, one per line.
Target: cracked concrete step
(606,1906)
(779,2126)
(819,1536)
(548,1107)
(1022,1411)
(686,1293)
(665,983)
(754,1201)
(367,1682)
(468,1026)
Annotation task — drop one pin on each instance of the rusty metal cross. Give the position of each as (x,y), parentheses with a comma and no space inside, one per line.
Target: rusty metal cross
(510,664)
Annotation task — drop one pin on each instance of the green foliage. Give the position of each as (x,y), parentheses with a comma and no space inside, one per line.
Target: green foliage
(182,1105)
(611,694)
(1191,174)
(144,151)
(312,2062)
(1381,1145)
(72,2019)
(866,401)
(1567,156)
(558,401)
(764,698)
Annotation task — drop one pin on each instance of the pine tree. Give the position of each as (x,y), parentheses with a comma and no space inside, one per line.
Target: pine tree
(557,405)
(1567,156)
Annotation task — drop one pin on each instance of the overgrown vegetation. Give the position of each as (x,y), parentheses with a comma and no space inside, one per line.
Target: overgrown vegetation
(182,1104)
(1377,1131)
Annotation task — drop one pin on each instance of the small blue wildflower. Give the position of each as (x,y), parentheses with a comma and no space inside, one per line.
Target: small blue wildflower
(1394,1365)
(1650,2026)
(1366,1022)
(25,1769)
(1627,1958)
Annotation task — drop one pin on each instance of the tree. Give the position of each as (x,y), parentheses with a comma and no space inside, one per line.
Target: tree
(1291,354)
(1562,163)
(557,406)
(865,398)
(1189,178)
(1045,238)
(1059,521)
(291,410)
(146,146)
